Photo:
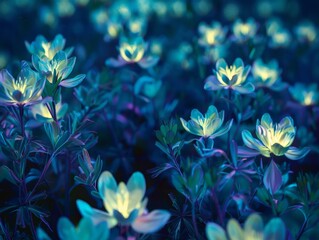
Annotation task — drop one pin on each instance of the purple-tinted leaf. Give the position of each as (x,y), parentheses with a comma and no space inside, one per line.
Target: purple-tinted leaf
(272,178)
(247,152)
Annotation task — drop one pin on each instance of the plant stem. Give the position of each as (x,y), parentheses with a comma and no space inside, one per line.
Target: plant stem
(194,220)
(45,169)
(21,112)
(217,205)
(302,229)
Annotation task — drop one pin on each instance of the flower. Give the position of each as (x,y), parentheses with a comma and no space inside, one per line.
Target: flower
(58,69)
(230,77)
(272,138)
(132,50)
(267,75)
(244,30)
(125,205)
(49,59)
(86,230)
(44,49)
(208,126)
(42,113)
(26,89)
(213,34)
(253,230)
(280,38)
(305,95)
(306,32)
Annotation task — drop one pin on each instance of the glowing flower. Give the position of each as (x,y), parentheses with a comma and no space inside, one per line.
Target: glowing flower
(306,32)
(253,230)
(280,38)
(44,49)
(42,113)
(125,205)
(58,69)
(208,126)
(305,95)
(86,230)
(133,51)
(267,75)
(49,59)
(213,34)
(272,138)
(25,90)
(244,30)
(230,77)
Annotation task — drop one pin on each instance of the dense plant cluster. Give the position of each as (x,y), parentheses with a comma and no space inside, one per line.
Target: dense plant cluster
(158,119)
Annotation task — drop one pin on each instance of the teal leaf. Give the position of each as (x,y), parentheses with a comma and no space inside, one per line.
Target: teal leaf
(72,82)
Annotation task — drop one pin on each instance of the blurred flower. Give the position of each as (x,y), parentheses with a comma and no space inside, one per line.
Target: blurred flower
(99,18)
(213,34)
(305,95)
(209,125)
(64,8)
(125,205)
(272,138)
(253,229)
(86,230)
(44,49)
(280,38)
(273,25)
(267,75)
(212,54)
(306,32)
(230,77)
(42,113)
(244,30)
(182,55)
(132,50)
(147,87)
(25,90)
(137,25)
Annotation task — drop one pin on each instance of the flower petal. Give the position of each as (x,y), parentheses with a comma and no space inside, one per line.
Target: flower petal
(245,89)
(253,143)
(151,222)
(215,232)
(234,230)
(66,229)
(96,215)
(106,181)
(212,84)
(294,153)
(254,225)
(275,229)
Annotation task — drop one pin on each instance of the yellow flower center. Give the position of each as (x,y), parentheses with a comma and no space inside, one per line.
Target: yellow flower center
(210,35)
(20,85)
(230,71)
(245,28)
(131,52)
(265,73)
(47,52)
(308,98)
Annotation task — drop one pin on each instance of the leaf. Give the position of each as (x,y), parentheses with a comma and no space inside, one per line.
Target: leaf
(272,178)
(72,82)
